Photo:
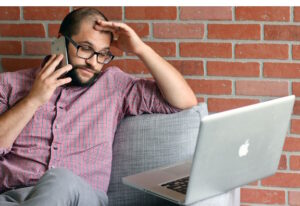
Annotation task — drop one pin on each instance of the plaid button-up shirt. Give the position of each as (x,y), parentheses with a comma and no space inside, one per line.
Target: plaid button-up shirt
(75,128)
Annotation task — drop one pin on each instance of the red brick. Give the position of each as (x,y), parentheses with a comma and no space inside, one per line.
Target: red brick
(262,13)
(292,144)
(217,87)
(262,196)
(166,49)
(282,32)
(296,110)
(233,31)
(132,66)
(53,30)
(188,67)
(116,52)
(234,69)
(22,30)
(178,30)
(282,70)
(296,13)
(135,66)
(206,13)
(200,99)
(262,88)
(9,13)
(45,13)
(10,47)
(294,162)
(148,13)
(37,48)
(262,51)
(289,180)
(221,104)
(296,51)
(111,12)
(253,183)
(296,88)
(142,29)
(282,163)
(295,126)
(294,198)
(208,50)
(14,64)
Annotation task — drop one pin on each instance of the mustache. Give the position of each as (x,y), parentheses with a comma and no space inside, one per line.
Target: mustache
(85,67)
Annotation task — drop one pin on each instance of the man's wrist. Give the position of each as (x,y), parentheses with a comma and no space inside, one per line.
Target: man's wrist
(142,49)
(31,102)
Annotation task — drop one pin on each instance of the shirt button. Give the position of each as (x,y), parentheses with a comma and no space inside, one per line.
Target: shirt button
(55,147)
(60,107)
(56,126)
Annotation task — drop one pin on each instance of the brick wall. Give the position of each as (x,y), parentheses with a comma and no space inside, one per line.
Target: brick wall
(231,57)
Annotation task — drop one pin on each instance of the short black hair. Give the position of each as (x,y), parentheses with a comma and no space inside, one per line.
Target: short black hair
(71,23)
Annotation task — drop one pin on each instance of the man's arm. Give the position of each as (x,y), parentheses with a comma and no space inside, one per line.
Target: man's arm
(171,83)
(13,121)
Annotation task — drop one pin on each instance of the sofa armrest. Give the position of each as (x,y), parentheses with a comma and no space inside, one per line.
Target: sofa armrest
(149,141)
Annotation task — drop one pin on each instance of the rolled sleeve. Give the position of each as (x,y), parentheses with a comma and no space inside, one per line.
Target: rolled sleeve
(3,99)
(4,93)
(4,90)
(143,96)
(4,151)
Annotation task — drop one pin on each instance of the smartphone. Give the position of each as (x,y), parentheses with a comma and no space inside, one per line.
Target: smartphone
(58,46)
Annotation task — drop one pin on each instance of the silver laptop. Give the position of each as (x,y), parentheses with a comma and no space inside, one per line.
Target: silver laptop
(234,148)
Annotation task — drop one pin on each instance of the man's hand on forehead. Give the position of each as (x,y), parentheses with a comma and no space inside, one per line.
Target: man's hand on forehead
(125,37)
(106,27)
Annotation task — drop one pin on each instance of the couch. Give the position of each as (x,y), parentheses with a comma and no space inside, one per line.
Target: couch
(152,140)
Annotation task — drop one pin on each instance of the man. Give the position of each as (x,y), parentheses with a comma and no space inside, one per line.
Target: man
(57,124)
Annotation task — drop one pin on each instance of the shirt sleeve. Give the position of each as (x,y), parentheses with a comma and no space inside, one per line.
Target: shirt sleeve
(4,91)
(4,151)
(143,96)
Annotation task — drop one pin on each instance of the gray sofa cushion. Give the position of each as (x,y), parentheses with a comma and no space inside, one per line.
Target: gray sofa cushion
(149,141)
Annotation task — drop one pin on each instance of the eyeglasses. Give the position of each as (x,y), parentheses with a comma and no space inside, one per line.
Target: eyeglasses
(86,52)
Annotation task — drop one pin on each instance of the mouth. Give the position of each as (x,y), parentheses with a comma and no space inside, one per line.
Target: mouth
(86,71)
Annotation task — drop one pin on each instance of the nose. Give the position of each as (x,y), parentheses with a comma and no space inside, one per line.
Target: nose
(92,61)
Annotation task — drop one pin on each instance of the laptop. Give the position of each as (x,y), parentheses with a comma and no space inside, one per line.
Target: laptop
(233,148)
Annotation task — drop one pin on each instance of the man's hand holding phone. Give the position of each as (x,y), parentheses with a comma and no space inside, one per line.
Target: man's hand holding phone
(48,79)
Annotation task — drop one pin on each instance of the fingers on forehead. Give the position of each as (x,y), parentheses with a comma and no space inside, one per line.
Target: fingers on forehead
(110,23)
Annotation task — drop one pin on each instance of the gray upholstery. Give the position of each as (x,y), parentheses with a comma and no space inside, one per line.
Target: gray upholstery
(149,141)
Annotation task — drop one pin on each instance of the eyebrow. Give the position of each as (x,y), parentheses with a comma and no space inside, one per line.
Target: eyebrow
(89,43)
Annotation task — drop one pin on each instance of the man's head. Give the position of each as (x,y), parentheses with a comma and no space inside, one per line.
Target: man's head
(78,25)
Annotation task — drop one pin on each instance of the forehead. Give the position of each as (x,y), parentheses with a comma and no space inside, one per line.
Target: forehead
(87,33)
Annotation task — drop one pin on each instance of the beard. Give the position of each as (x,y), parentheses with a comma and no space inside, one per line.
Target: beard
(76,81)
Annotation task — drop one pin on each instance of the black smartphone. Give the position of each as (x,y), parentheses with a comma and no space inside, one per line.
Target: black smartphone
(58,46)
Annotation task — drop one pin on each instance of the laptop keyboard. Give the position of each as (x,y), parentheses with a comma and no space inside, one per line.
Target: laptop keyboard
(179,185)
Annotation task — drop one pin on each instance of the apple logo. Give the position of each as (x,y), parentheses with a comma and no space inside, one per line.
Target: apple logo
(243,151)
